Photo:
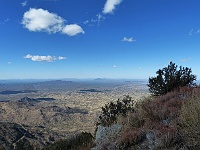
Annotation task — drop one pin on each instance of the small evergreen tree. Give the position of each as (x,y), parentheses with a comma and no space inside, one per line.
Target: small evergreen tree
(170,78)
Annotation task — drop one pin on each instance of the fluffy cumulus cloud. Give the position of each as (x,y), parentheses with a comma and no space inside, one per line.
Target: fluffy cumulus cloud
(44,58)
(43,20)
(125,39)
(72,30)
(110,5)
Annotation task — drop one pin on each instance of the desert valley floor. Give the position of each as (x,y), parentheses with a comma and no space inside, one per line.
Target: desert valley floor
(56,109)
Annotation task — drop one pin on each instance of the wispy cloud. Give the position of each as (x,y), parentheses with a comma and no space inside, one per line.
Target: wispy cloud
(61,58)
(40,20)
(198,31)
(52,0)
(191,32)
(86,22)
(47,58)
(185,59)
(95,21)
(24,3)
(194,31)
(110,6)
(114,66)
(100,18)
(125,39)
(4,21)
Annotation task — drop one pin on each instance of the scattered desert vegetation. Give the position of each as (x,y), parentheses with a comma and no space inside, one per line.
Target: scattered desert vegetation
(167,119)
(111,110)
(171,121)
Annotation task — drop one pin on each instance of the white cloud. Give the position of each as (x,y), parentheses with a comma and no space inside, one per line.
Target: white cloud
(86,22)
(28,56)
(38,20)
(110,6)
(72,30)
(185,59)
(24,3)
(198,31)
(97,20)
(61,58)
(191,32)
(100,17)
(125,39)
(114,66)
(43,58)
(42,20)
(194,31)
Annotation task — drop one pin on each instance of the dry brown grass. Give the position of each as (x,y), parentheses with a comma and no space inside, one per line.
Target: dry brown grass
(174,118)
(131,137)
(190,119)
(162,111)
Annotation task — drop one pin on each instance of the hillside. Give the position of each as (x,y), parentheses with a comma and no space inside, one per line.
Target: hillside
(171,121)
(18,136)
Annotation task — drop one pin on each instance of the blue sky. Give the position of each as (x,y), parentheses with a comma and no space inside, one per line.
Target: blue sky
(44,39)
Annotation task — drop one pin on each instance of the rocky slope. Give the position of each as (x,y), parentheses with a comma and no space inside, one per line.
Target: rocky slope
(26,124)
(17,136)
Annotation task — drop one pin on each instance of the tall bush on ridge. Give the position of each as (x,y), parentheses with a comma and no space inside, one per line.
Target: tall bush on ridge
(111,110)
(170,78)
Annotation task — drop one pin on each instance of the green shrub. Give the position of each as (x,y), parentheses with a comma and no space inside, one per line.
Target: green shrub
(83,141)
(112,110)
(170,78)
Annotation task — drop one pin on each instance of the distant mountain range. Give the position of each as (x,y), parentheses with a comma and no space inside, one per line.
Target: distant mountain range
(64,79)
